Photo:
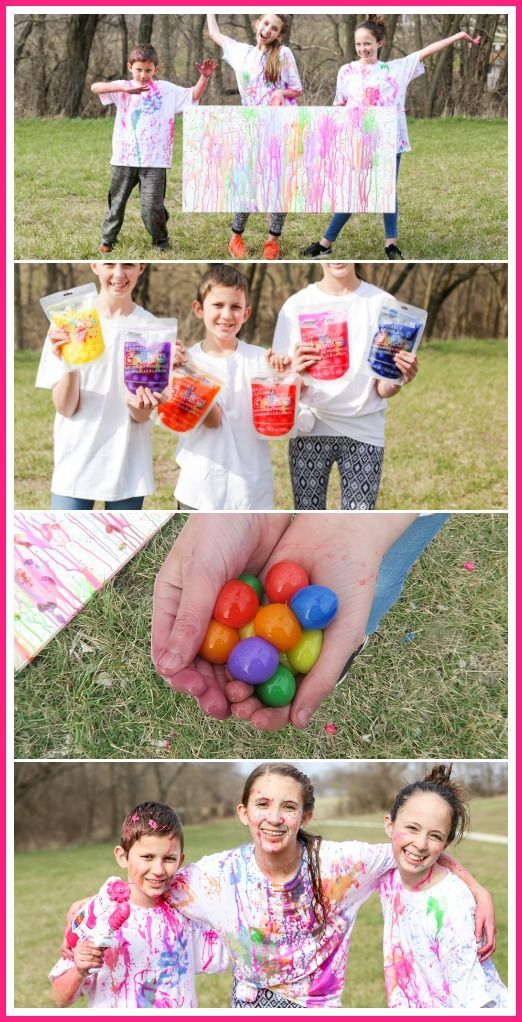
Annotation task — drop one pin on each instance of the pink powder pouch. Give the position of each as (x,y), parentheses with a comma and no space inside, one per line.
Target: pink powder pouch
(329,329)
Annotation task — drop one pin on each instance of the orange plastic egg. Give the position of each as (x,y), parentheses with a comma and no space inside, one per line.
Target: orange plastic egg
(218,643)
(278,624)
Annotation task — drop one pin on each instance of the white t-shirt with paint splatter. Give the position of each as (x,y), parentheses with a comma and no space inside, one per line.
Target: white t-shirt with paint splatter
(249,65)
(152,960)
(430,952)
(143,133)
(273,936)
(381,84)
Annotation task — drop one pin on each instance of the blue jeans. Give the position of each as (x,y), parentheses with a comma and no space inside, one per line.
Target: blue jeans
(390,219)
(59,503)
(397,563)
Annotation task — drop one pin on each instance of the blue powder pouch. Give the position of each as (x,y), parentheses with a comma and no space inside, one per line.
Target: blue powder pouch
(400,329)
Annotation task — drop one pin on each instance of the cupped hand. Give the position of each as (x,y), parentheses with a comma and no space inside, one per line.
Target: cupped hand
(345,556)
(210,550)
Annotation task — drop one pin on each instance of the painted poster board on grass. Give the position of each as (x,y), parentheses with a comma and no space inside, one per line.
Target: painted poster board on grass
(289,159)
(60,560)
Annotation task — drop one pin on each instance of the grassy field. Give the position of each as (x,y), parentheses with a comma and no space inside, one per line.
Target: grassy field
(449,207)
(446,436)
(54,877)
(93,692)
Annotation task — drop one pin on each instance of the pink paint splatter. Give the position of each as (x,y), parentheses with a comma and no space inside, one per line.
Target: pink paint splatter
(470,566)
(330,729)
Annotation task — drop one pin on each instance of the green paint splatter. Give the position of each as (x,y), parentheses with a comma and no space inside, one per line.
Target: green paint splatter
(369,123)
(435,907)
(256,936)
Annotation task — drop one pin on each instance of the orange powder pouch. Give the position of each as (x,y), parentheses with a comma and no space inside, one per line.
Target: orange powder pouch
(275,400)
(191,395)
(75,312)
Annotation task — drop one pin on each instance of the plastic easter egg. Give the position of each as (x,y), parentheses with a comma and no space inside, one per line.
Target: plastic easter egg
(218,643)
(236,605)
(253,661)
(305,653)
(279,690)
(247,631)
(284,580)
(315,606)
(283,659)
(277,624)
(252,581)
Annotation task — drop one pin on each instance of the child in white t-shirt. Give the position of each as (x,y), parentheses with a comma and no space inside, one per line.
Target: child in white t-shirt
(224,463)
(266,75)
(349,412)
(102,445)
(131,948)
(430,950)
(142,141)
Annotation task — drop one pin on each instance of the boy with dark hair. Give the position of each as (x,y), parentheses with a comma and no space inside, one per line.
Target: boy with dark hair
(142,141)
(130,948)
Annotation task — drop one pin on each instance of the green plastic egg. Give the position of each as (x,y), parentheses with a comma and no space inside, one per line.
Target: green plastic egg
(253,582)
(279,690)
(304,654)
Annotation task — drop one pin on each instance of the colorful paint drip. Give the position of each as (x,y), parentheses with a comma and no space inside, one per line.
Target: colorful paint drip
(61,560)
(289,159)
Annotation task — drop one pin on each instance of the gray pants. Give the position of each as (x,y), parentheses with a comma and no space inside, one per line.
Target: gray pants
(152,183)
(275,222)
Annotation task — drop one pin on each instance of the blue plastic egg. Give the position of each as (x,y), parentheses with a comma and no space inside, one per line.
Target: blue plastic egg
(314,606)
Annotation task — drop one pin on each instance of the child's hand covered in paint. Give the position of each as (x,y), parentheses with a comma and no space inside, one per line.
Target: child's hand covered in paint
(277,98)
(87,956)
(210,550)
(207,67)
(278,361)
(408,365)
(346,557)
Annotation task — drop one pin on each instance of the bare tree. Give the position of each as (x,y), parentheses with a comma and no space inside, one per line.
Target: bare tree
(80,35)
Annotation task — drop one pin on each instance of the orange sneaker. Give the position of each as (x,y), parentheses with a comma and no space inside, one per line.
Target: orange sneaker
(271,249)
(237,247)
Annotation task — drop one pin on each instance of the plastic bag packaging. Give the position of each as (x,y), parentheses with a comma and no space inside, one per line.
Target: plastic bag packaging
(400,329)
(147,353)
(275,400)
(329,329)
(75,312)
(191,395)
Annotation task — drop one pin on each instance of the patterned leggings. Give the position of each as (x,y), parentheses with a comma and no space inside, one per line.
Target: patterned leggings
(311,461)
(275,222)
(264,999)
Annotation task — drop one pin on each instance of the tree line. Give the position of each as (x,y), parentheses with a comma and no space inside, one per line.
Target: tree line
(462,299)
(77,803)
(57,57)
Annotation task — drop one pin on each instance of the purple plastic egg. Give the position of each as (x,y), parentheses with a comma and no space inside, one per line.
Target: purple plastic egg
(253,661)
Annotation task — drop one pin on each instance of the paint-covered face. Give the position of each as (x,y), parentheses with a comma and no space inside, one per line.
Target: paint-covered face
(419,834)
(143,71)
(366,46)
(223,312)
(274,813)
(151,865)
(118,278)
(268,28)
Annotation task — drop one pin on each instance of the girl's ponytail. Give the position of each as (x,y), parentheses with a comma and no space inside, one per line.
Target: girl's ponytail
(273,63)
(376,25)
(312,843)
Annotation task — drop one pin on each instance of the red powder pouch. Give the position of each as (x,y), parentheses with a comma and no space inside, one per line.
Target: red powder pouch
(274,404)
(191,395)
(329,329)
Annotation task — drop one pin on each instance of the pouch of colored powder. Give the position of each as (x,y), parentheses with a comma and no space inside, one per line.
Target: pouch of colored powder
(147,356)
(400,329)
(191,395)
(329,329)
(274,404)
(75,312)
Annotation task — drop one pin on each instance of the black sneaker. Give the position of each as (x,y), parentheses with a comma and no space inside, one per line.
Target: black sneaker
(316,251)
(392,252)
(163,246)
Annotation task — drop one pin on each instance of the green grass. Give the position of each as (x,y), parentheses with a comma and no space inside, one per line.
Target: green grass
(452,194)
(51,879)
(446,436)
(442,695)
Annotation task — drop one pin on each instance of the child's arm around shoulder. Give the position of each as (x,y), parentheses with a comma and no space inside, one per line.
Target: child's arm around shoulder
(67,986)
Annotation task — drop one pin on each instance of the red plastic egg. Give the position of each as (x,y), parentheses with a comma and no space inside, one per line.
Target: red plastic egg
(236,605)
(284,580)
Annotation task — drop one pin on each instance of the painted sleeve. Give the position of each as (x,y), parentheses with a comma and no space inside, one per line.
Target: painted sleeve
(181,98)
(340,88)
(63,966)
(197,892)
(351,870)
(405,69)
(210,951)
(290,76)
